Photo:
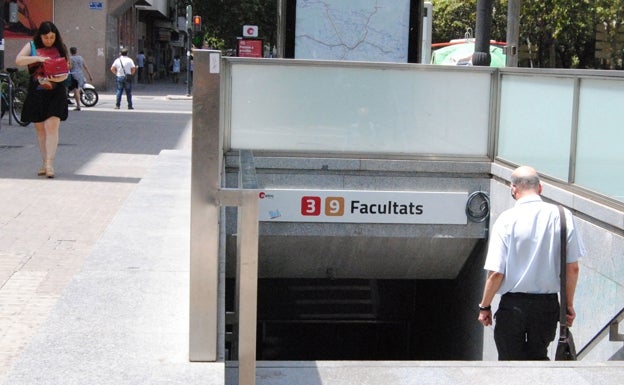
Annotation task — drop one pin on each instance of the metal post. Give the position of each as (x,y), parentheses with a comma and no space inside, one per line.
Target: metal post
(189,46)
(247,286)
(188,62)
(281,27)
(10,91)
(205,210)
(513,33)
(482,56)
(2,15)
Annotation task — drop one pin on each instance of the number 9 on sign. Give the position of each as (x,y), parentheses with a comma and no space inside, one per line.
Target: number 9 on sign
(334,206)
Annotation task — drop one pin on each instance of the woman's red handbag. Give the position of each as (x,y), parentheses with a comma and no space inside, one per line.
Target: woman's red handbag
(55,67)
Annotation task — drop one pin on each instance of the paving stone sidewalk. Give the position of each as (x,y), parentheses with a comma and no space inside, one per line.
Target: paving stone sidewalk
(94,269)
(48,227)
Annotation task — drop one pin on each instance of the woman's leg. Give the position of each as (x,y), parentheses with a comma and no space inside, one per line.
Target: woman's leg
(41,139)
(77,97)
(51,143)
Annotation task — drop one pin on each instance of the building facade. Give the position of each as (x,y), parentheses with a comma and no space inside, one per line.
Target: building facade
(99,29)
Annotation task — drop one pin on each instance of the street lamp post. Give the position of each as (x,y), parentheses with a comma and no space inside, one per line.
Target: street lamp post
(1,34)
(189,45)
(513,33)
(481,56)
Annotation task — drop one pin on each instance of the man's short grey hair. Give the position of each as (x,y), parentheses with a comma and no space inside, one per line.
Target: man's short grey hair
(525,181)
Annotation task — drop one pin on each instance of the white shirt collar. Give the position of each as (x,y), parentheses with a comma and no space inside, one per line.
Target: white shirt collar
(529,199)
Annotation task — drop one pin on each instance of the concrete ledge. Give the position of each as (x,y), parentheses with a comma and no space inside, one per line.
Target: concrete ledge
(432,373)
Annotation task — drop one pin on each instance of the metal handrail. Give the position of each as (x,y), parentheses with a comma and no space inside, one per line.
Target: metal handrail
(610,328)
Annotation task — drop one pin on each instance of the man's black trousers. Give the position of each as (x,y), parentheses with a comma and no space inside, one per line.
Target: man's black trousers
(525,325)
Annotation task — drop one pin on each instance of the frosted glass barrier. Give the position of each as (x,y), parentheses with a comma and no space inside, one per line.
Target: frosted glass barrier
(536,121)
(600,159)
(392,109)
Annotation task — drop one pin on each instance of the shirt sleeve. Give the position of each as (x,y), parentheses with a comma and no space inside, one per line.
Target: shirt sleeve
(497,250)
(575,247)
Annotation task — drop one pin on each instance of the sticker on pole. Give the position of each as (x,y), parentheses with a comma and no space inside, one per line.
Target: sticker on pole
(214,65)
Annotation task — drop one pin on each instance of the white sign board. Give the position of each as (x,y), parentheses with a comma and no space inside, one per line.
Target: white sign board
(347,206)
(250,31)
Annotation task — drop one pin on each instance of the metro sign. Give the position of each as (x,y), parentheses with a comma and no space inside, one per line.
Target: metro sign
(250,31)
(353,206)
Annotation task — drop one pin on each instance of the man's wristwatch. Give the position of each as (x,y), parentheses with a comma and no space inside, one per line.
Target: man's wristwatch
(485,308)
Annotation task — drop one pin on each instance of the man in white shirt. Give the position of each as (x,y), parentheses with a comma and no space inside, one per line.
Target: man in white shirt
(123,68)
(523,263)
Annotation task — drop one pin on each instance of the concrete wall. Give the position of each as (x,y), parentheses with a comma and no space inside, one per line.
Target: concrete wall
(92,31)
(86,30)
(343,250)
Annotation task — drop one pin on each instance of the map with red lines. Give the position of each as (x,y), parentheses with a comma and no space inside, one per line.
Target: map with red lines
(357,30)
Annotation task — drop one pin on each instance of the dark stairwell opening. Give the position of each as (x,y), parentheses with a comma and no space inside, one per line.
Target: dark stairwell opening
(370,319)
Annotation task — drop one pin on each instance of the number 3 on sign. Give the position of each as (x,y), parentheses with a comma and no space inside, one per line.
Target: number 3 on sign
(311,206)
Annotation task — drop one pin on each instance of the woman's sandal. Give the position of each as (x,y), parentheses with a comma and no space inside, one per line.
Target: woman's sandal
(49,169)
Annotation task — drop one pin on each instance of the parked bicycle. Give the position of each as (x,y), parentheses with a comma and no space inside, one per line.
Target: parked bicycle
(13,96)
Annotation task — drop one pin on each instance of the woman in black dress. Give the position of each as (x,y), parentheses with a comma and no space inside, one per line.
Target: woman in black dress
(46,102)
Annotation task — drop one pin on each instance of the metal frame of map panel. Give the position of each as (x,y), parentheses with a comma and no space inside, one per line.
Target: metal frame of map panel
(289,11)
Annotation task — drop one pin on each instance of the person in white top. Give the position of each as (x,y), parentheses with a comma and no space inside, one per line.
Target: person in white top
(77,70)
(123,68)
(140,66)
(523,263)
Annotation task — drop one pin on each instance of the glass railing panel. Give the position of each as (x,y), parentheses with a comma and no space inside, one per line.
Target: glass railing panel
(599,157)
(536,121)
(391,109)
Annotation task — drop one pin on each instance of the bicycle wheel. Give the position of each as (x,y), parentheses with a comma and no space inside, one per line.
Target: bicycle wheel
(3,96)
(5,106)
(19,95)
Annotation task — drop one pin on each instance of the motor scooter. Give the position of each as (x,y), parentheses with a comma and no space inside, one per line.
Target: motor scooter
(88,97)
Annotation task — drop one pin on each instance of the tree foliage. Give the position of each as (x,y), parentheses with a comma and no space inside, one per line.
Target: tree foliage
(224,20)
(453,18)
(561,32)
(553,33)
(610,16)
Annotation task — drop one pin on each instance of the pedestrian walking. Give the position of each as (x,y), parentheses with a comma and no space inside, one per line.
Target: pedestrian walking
(523,264)
(140,67)
(46,99)
(123,68)
(150,68)
(78,68)
(175,68)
